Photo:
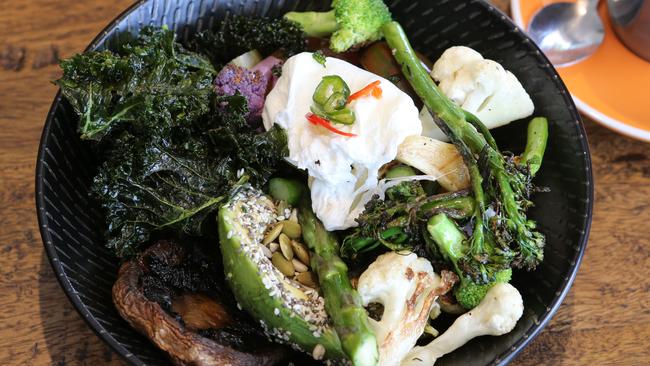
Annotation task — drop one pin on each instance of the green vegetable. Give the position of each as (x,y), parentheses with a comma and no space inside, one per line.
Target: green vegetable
(175,182)
(342,302)
(452,244)
(508,238)
(331,97)
(151,83)
(319,57)
(469,294)
(170,150)
(238,34)
(350,23)
(400,171)
(244,272)
(287,190)
(315,24)
(328,86)
(535,145)
(344,116)
(335,102)
(396,222)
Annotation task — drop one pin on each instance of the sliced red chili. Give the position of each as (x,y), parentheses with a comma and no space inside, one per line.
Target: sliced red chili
(319,121)
(371,89)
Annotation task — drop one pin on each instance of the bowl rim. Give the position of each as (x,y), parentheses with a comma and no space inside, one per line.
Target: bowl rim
(503,359)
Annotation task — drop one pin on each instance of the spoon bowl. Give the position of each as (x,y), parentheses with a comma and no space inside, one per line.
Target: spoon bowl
(568,32)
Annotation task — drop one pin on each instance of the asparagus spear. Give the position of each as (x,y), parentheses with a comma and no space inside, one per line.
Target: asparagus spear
(342,302)
(536,144)
(500,184)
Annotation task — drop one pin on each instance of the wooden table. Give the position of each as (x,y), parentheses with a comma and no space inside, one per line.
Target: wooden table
(604,320)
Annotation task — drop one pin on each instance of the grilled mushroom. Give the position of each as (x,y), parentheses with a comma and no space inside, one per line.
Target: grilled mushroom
(159,295)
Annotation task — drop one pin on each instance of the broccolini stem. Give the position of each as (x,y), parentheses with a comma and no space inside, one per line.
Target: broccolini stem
(342,302)
(314,24)
(482,128)
(454,205)
(450,240)
(438,104)
(535,145)
(471,143)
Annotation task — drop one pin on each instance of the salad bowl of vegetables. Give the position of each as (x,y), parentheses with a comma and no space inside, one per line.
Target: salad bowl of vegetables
(361,182)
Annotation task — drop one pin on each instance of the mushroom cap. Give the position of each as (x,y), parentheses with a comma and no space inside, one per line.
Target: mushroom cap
(181,338)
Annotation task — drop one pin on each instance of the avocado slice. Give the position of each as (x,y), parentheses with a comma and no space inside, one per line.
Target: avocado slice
(289,312)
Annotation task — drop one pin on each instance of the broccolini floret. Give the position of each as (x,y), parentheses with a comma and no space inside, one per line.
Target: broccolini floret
(452,245)
(350,22)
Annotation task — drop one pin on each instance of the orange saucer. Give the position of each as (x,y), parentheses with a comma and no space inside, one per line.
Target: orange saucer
(612,86)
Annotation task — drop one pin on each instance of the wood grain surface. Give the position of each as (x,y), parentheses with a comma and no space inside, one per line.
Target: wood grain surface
(605,319)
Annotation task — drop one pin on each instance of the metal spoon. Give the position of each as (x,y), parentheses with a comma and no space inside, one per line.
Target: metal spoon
(568,32)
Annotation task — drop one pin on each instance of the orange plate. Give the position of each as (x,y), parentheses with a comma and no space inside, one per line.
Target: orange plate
(612,86)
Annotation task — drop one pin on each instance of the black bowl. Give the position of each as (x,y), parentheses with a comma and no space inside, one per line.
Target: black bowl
(71,224)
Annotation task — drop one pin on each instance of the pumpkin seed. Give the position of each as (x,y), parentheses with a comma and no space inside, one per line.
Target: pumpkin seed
(267,251)
(307,279)
(285,266)
(318,352)
(299,266)
(282,206)
(285,247)
(291,229)
(274,247)
(300,250)
(294,215)
(273,234)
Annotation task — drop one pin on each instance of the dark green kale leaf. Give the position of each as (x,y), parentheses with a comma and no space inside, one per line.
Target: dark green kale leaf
(156,184)
(231,137)
(236,35)
(171,149)
(152,83)
(176,181)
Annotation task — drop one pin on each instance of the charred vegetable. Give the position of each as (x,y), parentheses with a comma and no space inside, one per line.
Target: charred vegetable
(239,34)
(398,221)
(498,182)
(170,148)
(175,295)
(151,83)
(157,182)
(452,245)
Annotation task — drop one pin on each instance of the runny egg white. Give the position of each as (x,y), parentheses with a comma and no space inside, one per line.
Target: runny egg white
(341,168)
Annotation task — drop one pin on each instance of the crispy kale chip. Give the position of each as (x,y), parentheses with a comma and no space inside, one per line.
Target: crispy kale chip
(232,138)
(171,149)
(153,185)
(236,35)
(175,181)
(151,83)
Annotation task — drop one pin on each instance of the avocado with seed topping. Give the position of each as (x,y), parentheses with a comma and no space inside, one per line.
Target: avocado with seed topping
(288,311)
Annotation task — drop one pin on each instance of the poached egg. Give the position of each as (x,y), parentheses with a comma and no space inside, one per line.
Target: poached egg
(341,169)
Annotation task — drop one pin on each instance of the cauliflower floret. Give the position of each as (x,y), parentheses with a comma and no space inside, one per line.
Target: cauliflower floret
(233,79)
(482,87)
(407,287)
(497,314)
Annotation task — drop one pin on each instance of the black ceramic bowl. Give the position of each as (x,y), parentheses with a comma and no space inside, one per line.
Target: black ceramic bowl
(71,223)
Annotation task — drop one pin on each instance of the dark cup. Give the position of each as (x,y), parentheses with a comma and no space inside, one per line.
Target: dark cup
(631,22)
